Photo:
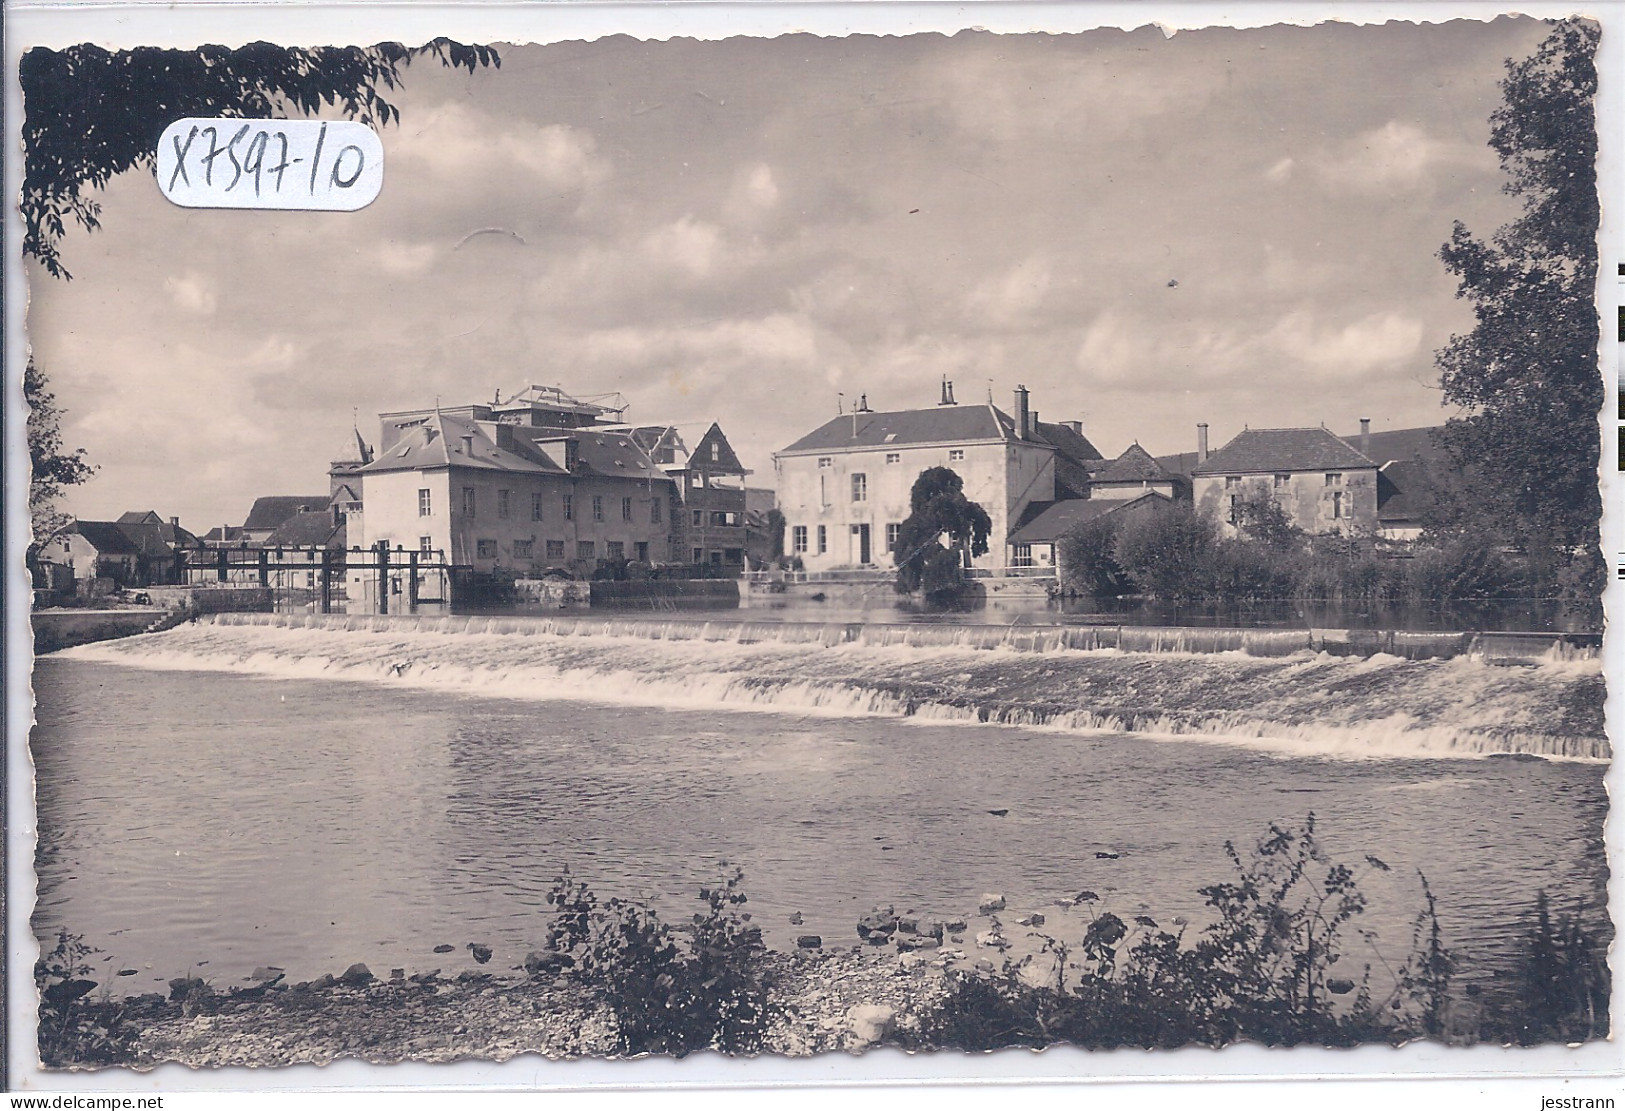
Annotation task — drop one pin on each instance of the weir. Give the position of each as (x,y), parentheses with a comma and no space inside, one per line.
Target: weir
(1268,643)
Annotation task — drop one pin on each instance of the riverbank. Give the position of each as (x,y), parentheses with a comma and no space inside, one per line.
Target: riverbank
(823,1001)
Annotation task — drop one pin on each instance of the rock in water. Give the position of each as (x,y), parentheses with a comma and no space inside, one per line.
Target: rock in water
(482,953)
(1034,919)
(990,903)
(444,948)
(795,919)
(992,939)
(877,922)
(356,974)
(809,941)
(870,1022)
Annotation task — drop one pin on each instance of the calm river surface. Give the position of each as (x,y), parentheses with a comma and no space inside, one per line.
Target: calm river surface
(196,817)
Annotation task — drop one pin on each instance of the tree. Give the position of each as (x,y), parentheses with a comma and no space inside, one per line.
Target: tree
(1169,552)
(53,470)
(1527,374)
(1087,562)
(1260,518)
(938,507)
(92,113)
(775,534)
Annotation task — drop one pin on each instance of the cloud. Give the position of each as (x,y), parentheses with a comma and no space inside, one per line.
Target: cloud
(1012,298)
(1379,341)
(191,294)
(1394,158)
(458,142)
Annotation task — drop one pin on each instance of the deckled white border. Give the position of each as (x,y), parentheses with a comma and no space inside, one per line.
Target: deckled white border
(182,23)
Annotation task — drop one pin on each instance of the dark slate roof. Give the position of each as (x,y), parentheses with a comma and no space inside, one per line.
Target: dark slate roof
(269,512)
(138,517)
(727,461)
(1403,491)
(1403,444)
(439,441)
(1134,465)
(943,424)
(1073,444)
(313,529)
(1181,463)
(600,451)
(228,533)
(106,537)
(1268,450)
(1044,522)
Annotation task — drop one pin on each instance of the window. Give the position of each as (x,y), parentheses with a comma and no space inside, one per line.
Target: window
(698,554)
(569,507)
(468,501)
(585,549)
(893,530)
(642,549)
(1021,555)
(716,453)
(956,455)
(716,559)
(1235,506)
(485,549)
(1337,504)
(697,518)
(597,507)
(425,505)
(825,461)
(1232,482)
(725,518)
(524,549)
(798,539)
(1282,481)
(615,549)
(626,509)
(425,544)
(1334,479)
(734,556)
(860,487)
(502,504)
(536,507)
(823,539)
(555,549)
(894,457)
(654,512)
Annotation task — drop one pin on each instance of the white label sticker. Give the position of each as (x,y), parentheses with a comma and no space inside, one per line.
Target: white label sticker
(330,165)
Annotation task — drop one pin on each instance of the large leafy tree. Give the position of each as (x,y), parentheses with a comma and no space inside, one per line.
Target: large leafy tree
(938,507)
(1527,375)
(53,469)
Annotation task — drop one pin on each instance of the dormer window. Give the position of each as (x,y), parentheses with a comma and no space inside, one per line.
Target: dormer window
(716,453)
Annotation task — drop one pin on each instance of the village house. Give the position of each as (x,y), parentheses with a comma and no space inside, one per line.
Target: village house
(708,519)
(1036,541)
(1323,483)
(95,549)
(844,487)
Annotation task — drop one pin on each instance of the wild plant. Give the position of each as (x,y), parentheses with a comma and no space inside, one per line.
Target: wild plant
(73,1028)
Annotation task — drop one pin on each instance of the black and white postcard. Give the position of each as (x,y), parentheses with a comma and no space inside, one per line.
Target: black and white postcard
(772,542)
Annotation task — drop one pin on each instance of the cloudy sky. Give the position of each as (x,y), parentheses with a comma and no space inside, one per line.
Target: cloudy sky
(1231,226)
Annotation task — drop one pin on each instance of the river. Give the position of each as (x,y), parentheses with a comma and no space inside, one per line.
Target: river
(243,792)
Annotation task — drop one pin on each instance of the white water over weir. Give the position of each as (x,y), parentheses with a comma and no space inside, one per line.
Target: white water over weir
(1283,691)
(1020,638)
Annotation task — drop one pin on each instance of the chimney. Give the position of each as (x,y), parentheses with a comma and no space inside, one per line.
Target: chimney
(1201,444)
(947,392)
(863,404)
(175,522)
(1365,436)
(1075,425)
(1023,428)
(1035,421)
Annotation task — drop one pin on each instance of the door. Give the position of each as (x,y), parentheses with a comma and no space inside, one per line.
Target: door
(862,533)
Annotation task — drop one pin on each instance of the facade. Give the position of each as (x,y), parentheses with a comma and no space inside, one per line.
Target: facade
(510,498)
(844,487)
(709,516)
(95,549)
(1321,482)
(268,513)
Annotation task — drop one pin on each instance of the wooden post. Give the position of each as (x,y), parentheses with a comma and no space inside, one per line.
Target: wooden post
(221,564)
(327,580)
(383,576)
(265,567)
(412,583)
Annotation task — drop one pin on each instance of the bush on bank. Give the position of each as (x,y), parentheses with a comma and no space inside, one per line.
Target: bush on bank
(1276,964)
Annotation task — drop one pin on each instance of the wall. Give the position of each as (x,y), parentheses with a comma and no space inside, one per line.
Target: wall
(1306,498)
(1002,478)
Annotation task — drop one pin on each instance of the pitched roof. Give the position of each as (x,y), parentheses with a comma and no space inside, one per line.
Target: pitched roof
(1403,444)
(106,537)
(226,533)
(443,440)
(1044,522)
(1403,491)
(306,530)
(726,462)
(1134,465)
(139,517)
(943,424)
(1073,444)
(1266,450)
(269,512)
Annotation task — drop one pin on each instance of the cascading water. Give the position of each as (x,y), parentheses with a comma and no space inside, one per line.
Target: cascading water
(1276,689)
